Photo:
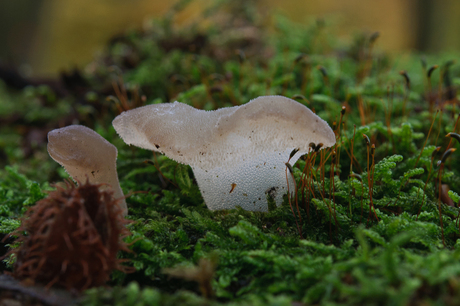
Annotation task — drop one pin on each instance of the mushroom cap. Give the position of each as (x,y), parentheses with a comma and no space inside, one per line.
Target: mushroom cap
(210,138)
(229,145)
(86,155)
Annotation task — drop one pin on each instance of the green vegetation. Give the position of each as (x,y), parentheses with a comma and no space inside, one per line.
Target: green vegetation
(376,227)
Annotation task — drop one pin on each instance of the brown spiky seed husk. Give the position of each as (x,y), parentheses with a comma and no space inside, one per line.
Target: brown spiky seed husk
(72,238)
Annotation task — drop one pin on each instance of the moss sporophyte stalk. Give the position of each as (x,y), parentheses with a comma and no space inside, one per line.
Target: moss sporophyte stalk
(369,213)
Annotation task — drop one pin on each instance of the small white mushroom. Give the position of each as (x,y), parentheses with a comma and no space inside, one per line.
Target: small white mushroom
(237,154)
(86,155)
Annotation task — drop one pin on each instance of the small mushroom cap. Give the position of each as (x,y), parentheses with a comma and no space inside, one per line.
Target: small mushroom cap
(233,144)
(86,155)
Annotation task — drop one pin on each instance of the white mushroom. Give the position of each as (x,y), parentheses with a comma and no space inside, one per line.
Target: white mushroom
(237,154)
(86,155)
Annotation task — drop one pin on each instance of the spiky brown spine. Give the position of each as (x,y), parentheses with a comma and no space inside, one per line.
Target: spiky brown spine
(72,238)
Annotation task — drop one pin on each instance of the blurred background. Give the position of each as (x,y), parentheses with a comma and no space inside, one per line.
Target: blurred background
(43,37)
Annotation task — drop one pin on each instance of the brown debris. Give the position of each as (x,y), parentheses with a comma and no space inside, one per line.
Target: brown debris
(73,237)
